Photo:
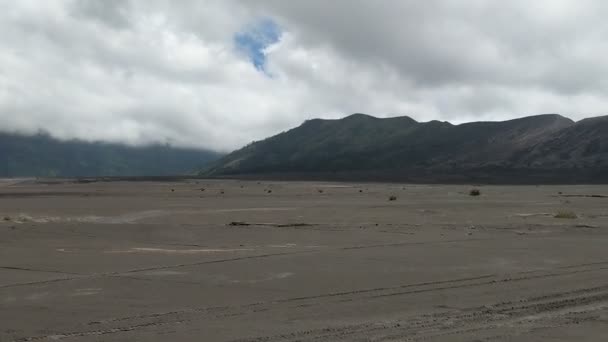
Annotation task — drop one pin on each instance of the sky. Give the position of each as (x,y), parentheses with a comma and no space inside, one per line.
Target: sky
(218,74)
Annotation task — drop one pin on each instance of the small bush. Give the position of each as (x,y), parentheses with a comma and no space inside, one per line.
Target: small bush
(7,218)
(239,223)
(565,214)
(320,191)
(392,198)
(474,192)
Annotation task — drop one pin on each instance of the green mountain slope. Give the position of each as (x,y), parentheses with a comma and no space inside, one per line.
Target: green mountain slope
(580,146)
(363,143)
(41,155)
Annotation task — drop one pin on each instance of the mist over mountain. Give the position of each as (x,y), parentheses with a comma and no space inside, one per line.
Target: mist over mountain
(43,156)
(540,148)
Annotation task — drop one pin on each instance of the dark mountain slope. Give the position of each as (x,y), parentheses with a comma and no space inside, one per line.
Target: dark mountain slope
(41,155)
(320,145)
(361,143)
(583,145)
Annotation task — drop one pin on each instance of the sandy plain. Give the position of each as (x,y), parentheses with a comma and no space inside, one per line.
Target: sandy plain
(210,260)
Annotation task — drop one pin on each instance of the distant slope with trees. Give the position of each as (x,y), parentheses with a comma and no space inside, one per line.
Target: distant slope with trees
(43,156)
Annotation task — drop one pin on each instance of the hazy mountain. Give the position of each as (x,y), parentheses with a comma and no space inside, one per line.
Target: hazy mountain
(537,148)
(41,155)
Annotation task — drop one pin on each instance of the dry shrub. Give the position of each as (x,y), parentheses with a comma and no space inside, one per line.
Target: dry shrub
(565,214)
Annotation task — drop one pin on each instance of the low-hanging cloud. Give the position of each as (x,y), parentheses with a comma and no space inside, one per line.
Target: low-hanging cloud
(219,74)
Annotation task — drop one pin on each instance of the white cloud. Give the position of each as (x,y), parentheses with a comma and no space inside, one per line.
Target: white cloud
(165,71)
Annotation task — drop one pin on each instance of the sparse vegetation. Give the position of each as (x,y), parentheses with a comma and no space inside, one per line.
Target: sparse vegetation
(7,218)
(566,214)
(320,191)
(474,192)
(392,198)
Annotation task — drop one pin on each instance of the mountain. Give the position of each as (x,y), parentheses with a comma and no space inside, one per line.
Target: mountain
(41,155)
(583,145)
(540,148)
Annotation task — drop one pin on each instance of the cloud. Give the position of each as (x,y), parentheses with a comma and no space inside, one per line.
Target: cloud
(220,74)
(113,13)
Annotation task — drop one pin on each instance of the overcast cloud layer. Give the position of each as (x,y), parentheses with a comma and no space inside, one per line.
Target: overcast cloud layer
(219,74)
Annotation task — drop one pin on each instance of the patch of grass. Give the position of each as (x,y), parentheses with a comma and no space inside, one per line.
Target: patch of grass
(474,192)
(565,214)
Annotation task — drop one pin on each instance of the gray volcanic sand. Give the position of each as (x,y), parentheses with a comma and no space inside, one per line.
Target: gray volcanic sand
(127,261)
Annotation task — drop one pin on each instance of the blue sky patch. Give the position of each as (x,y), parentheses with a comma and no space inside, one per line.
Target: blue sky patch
(255,38)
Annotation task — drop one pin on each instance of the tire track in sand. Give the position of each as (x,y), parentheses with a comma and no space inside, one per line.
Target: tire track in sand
(486,317)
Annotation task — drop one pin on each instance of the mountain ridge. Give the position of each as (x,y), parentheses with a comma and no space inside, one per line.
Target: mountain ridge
(435,150)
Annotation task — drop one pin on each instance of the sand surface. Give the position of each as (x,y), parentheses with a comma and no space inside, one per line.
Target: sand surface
(301,261)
